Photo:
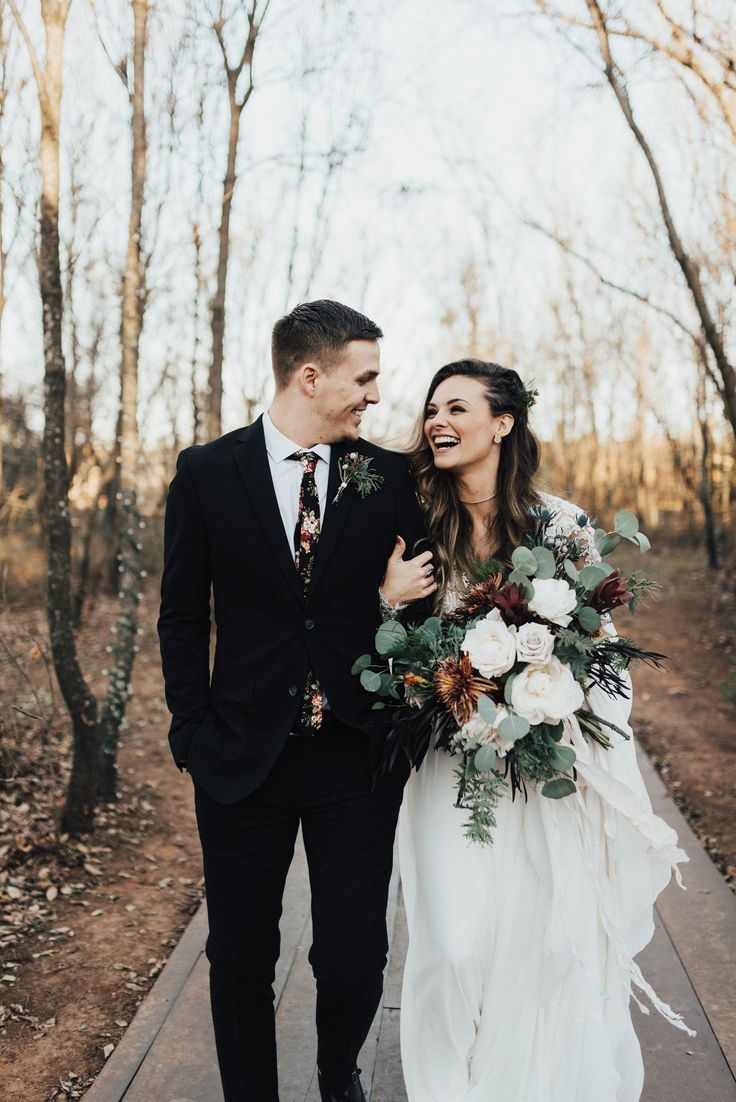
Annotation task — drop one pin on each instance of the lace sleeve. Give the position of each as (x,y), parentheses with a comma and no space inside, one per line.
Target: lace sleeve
(567,522)
(389,611)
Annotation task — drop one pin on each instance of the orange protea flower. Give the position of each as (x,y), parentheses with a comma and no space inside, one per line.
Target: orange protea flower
(458,687)
(414,679)
(479,596)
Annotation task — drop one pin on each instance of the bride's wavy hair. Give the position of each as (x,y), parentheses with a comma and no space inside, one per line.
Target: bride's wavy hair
(449,524)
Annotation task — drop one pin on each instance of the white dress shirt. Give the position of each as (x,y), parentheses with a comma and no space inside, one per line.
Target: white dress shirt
(286,475)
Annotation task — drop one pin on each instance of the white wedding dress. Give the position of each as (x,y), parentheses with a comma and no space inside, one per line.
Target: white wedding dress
(521,954)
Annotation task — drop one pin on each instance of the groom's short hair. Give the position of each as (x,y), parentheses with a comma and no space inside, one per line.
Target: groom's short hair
(316,331)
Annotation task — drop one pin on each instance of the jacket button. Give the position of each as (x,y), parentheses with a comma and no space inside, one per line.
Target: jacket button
(309,624)
(293,690)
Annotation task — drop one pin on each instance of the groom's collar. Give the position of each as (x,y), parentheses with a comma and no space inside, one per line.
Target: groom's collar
(281,447)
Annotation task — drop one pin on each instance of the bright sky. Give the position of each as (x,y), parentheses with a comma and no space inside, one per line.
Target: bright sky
(471,116)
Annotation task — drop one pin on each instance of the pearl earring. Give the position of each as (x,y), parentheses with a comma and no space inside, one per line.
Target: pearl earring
(497,439)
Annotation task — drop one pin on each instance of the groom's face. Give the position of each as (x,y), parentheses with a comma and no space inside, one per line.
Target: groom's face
(344,393)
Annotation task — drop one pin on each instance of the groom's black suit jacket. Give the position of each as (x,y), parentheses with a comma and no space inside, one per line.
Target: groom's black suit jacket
(224,533)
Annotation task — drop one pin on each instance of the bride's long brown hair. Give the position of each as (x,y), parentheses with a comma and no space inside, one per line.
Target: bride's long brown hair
(449,523)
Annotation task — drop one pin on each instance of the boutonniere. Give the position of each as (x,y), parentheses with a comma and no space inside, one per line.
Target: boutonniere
(355,470)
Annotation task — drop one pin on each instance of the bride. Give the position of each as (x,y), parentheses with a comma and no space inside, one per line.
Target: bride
(520,965)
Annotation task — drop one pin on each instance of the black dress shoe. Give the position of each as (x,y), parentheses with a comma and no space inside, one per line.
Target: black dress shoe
(352,1093)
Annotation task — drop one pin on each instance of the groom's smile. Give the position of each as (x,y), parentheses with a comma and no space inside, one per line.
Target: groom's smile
(344,393)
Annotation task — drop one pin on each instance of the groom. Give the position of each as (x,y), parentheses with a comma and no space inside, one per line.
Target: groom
(281,733)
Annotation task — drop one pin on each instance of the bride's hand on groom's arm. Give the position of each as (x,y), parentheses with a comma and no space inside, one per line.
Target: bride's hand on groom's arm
(408,580)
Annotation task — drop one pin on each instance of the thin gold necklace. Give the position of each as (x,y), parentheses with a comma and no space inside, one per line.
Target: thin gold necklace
(479,501)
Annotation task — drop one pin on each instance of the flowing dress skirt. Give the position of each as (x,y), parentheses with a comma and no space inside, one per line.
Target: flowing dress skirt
(520,966)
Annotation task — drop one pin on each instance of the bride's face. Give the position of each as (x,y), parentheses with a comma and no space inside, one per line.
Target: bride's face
(459,424)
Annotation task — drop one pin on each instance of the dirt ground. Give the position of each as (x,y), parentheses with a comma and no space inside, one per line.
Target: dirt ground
(84,932)
(685,718)
(86,927)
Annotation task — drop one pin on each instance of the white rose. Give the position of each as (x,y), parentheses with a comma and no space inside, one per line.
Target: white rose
(534,643)
(546,694)
(553,600)
(476,730)
(491,645)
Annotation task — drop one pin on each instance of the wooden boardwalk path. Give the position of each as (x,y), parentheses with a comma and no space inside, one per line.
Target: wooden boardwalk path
(167,1053)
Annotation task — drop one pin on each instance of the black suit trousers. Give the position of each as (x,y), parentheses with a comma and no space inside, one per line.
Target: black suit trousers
(348,824)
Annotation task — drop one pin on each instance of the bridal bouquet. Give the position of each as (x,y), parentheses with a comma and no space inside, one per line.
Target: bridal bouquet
(498,680)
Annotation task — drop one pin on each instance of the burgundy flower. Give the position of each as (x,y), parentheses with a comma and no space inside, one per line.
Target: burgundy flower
(512,603)
(611,593)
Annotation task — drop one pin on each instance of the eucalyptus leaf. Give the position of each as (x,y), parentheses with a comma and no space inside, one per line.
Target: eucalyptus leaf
(546,565)
(370,680)
(644,544)
(377,706)
(513,727)
(484,759)
(571,570)
(524,561)
(588,619)
(432,627)
(486,709)
(523,582)
(606,542)
(555,730)
(591,576)
(361,663)
(507,688)
(563,758)
(389,636)
(559,787)
(626,523)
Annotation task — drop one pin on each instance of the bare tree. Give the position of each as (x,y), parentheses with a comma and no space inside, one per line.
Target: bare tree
(81,794)
(236,103)
(11,197)
(133,302)
(715,358)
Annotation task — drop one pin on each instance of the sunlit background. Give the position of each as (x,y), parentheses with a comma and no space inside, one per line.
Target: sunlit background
(462,173)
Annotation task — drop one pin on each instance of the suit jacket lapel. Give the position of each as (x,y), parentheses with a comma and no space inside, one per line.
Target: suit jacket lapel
(335,515)
(252,461)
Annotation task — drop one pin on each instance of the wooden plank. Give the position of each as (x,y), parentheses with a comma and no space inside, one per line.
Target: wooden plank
(678,1068)
(701,921)
(168,1054)
(295,1030)
(119,1071)
(174,1054)
(388,1080)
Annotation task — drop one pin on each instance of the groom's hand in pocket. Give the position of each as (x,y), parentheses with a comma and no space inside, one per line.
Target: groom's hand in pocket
(408,580)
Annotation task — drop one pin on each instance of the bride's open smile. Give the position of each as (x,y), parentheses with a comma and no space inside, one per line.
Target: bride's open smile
(459,425)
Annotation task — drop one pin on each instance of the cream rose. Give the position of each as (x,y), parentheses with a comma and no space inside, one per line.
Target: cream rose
(491,645)
(534,643)
(546,694)
(553,600)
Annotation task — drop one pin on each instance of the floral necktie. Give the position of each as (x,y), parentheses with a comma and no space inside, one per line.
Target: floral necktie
(306,537)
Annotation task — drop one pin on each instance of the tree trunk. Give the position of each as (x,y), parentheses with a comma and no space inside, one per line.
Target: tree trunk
(712,335)
(236,105)
(214,420)
(78,812)
(705,489)
(129,567)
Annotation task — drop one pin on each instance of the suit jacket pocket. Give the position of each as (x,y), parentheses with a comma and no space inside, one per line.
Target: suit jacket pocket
(182,733)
